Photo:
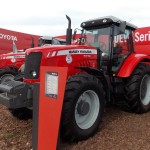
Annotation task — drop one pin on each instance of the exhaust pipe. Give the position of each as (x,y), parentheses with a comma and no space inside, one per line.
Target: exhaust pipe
(14,47)
(69,32)
(32,42)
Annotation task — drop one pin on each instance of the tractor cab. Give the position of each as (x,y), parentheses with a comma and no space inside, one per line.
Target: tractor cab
(113,39)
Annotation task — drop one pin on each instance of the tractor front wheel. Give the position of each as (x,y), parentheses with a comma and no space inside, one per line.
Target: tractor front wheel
(138,89)
(7,74)
(83,107)
(21,113)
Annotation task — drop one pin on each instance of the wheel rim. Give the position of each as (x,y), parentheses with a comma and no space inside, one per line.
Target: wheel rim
(87,109)
(6,77)
(144,90)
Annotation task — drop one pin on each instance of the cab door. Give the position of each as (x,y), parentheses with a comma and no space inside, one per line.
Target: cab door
(122,47)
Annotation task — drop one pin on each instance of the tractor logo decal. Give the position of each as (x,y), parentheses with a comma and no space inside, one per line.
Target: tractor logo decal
(69,59)
(13,60)
(77,51)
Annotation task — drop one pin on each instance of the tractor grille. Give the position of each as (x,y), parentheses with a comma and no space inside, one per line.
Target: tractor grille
(32,65)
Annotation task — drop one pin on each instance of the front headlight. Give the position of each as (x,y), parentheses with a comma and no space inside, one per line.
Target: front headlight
(34,74)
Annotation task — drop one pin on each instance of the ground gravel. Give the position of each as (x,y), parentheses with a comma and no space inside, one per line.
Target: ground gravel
(119,131)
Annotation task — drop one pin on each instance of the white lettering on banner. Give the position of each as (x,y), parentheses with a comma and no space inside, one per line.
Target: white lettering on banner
(142,37)
(8,37)
(138,37)
(121,38)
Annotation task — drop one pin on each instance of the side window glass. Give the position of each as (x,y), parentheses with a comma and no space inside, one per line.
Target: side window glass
(121,42)
(55,42)
(121,48)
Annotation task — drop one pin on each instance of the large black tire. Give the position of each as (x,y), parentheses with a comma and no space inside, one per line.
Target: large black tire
(84,99)
(7,74)
(137,90)
(21,113)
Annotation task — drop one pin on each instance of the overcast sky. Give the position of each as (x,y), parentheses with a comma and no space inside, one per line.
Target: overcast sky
(47,17)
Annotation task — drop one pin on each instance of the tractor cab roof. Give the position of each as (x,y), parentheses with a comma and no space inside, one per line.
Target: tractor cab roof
(46,37)
(105,21)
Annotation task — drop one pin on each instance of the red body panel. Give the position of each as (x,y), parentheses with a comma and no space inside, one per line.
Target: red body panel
(130,63)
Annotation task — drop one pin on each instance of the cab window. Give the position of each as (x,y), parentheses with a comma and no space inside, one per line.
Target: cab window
(121,47)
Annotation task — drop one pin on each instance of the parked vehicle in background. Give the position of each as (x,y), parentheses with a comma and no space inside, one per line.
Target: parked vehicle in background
(11,62)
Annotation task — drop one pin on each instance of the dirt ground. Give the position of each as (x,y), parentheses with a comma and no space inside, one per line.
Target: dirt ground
(119,131)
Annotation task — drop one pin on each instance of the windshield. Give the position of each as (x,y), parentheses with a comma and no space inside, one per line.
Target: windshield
(99,38)
(47,42)
(55,42)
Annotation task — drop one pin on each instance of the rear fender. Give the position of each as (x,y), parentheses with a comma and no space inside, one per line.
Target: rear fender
(131,62)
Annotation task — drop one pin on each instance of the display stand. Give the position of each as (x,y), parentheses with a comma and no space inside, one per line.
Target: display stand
(47,107)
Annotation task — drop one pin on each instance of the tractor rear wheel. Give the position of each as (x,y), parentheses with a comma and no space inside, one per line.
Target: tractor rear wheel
(138,89)
(83,107)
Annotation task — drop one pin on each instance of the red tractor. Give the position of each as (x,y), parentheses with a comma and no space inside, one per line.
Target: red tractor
(103,68)
(13,62)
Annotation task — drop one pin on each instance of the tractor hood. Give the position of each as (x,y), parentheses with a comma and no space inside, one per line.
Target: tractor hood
(61,56)
(12,55)
(57,50)
(12,59)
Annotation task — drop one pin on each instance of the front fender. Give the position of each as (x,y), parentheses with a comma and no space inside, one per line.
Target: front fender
(130,63)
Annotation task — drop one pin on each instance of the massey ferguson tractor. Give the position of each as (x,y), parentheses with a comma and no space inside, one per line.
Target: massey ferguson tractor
(103,68)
